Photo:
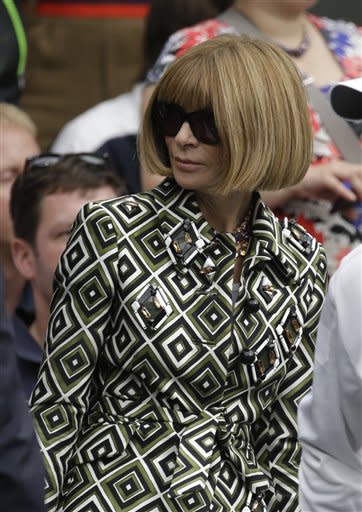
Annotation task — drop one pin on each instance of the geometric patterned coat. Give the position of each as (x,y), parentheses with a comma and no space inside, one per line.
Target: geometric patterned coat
(163,387)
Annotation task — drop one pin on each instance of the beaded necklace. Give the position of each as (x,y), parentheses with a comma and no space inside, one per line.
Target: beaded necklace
(301,49)
(293,52)
(242,235)
(242,238)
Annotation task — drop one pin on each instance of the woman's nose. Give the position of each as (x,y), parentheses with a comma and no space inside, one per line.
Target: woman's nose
(185,135)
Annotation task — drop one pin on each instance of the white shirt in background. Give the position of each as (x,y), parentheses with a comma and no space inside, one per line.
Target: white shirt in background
(112,118)
(330,416)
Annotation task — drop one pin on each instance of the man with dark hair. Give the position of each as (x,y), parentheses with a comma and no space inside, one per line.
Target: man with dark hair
(45,200)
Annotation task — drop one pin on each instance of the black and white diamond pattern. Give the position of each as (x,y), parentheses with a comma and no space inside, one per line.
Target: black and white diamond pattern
(145,401)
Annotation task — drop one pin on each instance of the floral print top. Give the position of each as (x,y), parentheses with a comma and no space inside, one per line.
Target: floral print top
(344,40)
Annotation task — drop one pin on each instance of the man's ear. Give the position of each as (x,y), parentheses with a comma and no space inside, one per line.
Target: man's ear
(23,257)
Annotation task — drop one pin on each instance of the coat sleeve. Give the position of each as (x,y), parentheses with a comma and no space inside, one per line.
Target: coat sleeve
(84,290)
(21,471)
(275,433)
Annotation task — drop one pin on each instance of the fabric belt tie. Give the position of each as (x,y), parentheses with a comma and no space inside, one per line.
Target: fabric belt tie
(205,441)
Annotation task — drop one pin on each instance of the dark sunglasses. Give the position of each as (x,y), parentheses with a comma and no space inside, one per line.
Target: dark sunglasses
(169,117)
(49,159)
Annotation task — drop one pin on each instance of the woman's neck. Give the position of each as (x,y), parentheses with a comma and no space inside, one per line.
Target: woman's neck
(283,25)
(224,213)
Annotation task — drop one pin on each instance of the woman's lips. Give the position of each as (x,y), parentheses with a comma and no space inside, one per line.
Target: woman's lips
(186,164)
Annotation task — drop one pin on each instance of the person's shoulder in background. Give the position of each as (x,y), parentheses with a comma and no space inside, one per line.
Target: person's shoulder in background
(122,153)
(344,39)
(329,417)
(21,470)
(114,117)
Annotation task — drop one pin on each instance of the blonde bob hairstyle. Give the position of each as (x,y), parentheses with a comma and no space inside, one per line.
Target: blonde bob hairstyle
(260,109)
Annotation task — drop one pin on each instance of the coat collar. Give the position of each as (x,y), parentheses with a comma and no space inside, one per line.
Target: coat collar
(267,243)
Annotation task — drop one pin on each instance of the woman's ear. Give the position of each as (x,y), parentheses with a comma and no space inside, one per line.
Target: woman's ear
(23,258)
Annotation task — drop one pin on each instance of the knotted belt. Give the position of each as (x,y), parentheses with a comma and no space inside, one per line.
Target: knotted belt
(206,440)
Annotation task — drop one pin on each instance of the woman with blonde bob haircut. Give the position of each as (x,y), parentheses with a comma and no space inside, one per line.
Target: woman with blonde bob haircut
(183,320)
(256,94)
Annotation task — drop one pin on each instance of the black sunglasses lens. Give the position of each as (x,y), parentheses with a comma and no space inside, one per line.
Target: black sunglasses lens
(203,127)
(169,117)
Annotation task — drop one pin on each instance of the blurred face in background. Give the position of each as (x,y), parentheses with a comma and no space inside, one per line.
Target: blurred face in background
(57,215)
(16,145)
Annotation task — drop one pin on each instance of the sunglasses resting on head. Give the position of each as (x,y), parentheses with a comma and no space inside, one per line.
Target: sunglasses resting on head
(169,117)
(49,159)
